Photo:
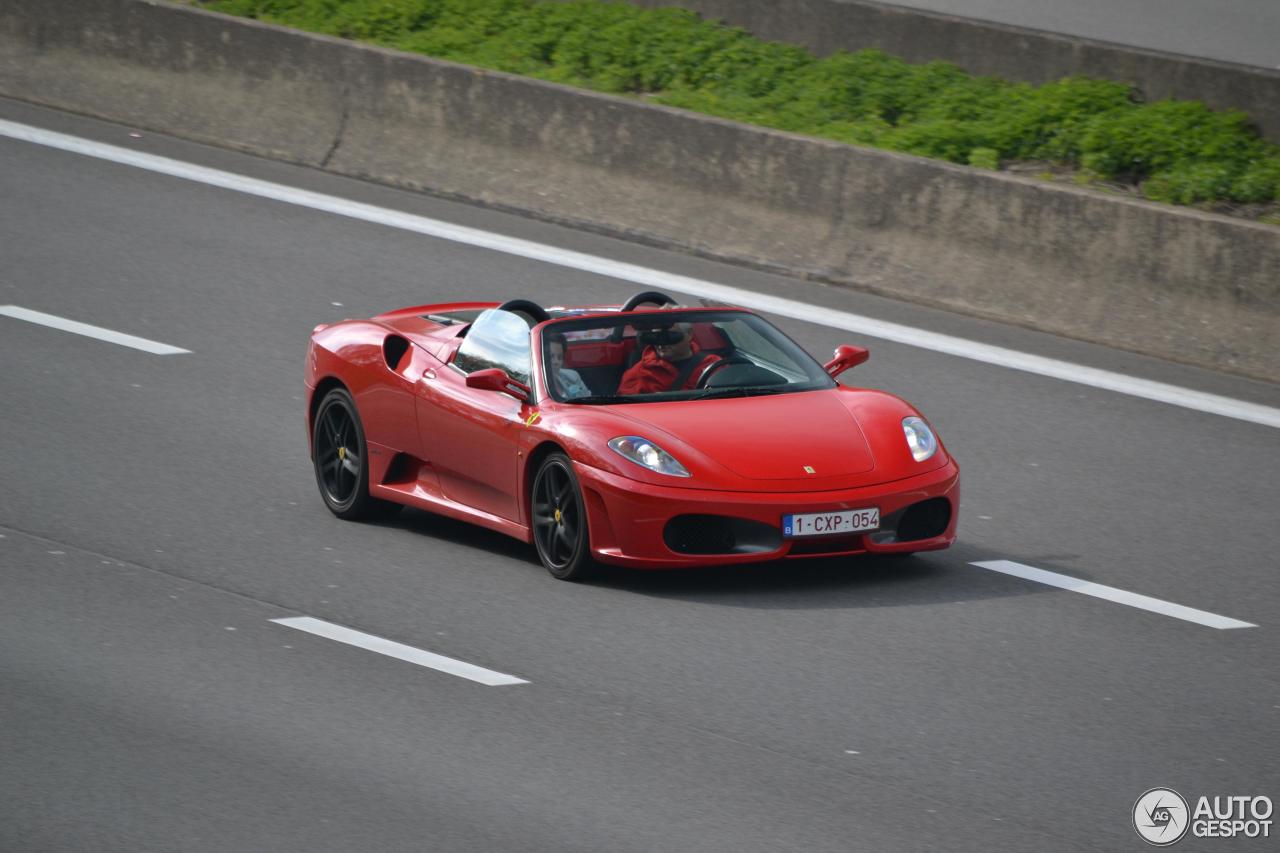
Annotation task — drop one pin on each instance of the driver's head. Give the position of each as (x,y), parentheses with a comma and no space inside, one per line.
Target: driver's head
(677,349)
(672,342)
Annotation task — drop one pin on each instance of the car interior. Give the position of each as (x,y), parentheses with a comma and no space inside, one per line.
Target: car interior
(601,357)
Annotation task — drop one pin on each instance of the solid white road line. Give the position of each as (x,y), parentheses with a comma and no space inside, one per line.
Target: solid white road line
(399,651)
(89,331)
(1066,371)
(1110,593)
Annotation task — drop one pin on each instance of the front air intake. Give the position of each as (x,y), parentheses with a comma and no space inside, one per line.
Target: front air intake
(924,520)
(717,534)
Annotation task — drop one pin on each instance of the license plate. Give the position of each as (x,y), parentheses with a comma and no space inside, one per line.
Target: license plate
(826,523)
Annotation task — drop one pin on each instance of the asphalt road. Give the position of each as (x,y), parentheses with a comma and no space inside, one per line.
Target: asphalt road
(1244,31)
(158,511)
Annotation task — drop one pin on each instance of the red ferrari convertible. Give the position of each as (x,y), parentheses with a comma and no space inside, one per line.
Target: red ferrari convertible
(645,435)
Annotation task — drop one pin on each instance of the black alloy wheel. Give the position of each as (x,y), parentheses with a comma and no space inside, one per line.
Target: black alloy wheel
(560,520)
(338,455)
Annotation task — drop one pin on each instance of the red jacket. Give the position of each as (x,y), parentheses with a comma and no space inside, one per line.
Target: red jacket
(653,373)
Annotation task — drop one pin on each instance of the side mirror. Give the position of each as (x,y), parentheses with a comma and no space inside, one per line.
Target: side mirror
(496,379)
(846,356)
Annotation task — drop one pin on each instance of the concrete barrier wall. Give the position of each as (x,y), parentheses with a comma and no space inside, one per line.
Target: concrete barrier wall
(1172,283)
(1014,53)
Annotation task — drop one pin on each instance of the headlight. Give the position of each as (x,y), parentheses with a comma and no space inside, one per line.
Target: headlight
(920,438)
(644,452)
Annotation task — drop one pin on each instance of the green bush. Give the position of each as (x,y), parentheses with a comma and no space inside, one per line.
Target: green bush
(1154,137)
(1260,181)
(1176,151)
(984,158)
(1189,183)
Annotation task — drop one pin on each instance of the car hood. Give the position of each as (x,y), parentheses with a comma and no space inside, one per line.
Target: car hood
(809,436)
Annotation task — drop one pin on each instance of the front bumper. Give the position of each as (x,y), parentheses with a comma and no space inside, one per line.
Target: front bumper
(627,518)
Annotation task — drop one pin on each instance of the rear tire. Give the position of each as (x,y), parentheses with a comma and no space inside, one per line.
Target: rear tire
(339,456)
(559,520)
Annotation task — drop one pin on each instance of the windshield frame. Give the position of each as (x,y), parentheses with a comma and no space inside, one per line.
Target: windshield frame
(818,378)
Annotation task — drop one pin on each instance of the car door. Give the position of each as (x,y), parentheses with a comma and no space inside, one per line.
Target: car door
(470,435)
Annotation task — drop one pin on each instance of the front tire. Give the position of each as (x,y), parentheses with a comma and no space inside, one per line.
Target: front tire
(559,520)
(339,456)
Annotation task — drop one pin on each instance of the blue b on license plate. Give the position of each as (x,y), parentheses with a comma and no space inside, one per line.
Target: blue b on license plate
(826,523)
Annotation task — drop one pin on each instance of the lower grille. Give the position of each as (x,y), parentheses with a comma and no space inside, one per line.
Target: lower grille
(717,534)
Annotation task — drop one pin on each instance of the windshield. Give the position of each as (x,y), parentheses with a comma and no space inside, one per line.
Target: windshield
(647,356)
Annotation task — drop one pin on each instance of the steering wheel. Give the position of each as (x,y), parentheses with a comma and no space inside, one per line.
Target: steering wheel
(715,366)
(648,297)
(532,310)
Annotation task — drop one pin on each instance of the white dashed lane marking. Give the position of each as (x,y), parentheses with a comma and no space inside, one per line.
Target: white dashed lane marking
(399,651)
(78,328)
(1110,593)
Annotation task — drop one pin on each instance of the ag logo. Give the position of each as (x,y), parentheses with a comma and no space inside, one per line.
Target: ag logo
(1161,817)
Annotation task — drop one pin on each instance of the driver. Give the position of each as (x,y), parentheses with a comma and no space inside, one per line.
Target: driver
(672,362)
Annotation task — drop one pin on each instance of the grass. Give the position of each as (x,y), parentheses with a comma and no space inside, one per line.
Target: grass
(1179,152)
